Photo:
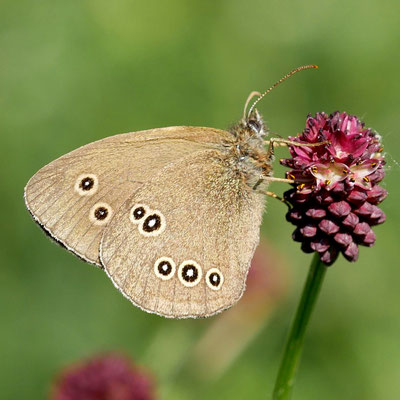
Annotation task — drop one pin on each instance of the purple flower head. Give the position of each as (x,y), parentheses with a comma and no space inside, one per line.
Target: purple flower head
(106,377)
(334,201)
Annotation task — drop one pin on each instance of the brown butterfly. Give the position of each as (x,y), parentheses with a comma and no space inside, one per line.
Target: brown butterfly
(172,215)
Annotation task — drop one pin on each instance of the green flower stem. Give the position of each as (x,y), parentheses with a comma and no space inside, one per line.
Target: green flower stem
(291,358)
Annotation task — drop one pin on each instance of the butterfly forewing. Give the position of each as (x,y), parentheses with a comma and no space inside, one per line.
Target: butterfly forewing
(182,244)
(76,196)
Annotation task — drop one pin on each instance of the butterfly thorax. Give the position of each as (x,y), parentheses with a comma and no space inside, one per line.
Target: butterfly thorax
(248,148)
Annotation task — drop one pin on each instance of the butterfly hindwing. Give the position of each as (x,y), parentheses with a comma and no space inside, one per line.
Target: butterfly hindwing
(195,214)
(75,197)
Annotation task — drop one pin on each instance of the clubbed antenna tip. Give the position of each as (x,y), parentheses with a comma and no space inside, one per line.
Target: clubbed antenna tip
(310,66)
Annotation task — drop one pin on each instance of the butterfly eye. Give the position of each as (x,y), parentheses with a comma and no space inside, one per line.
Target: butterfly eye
(190,273)
(164,268)
(254,125)
(214,279)
(138,211)
(100,213)
(153,224)
(86,184)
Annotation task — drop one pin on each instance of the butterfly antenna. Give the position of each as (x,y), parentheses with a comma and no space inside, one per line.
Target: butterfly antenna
(276,84)
(251,95)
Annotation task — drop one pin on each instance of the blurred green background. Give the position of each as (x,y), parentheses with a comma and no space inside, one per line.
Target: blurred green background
(72,72)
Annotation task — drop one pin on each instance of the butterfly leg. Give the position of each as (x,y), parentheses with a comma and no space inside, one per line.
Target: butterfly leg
(275,196)
(280,142)
(271,179)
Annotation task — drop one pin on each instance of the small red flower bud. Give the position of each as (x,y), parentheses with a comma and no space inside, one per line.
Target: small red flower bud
(308,230)
(316,213)
(344,239)
(351,221)
(340,209)
(362,229)
(328,227)
(357,196)
(351,252)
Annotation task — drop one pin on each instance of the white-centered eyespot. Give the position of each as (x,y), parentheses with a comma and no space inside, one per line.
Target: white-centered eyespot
(86,184)
(100,213)
(138,212)
(153,224)
(189,273)
(165,268)
(214,279)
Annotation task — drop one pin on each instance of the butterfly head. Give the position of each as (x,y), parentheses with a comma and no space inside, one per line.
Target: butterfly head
(250,130)
(254,123)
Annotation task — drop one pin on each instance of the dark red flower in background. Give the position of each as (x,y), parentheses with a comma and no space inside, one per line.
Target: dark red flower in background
(334,201)
(106,377)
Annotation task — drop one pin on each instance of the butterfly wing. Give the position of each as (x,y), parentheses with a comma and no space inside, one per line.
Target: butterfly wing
(182,244)
(74,198)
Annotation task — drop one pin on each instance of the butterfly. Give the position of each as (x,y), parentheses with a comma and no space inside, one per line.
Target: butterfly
(172,215)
